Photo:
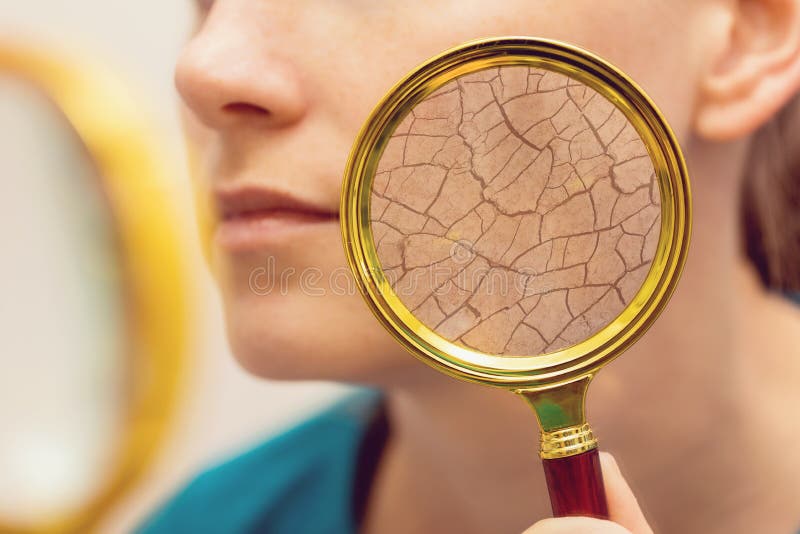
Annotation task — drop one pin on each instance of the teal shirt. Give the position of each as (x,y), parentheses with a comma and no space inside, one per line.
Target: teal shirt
(308,480)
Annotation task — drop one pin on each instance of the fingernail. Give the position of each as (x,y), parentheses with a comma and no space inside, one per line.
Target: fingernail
(608,460)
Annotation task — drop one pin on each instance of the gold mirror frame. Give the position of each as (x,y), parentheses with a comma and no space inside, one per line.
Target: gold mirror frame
(568,364)
(126,154)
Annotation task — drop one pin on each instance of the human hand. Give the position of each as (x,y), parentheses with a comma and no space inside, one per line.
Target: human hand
(625,515)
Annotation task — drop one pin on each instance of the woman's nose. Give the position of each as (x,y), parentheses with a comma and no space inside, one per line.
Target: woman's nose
(232,78)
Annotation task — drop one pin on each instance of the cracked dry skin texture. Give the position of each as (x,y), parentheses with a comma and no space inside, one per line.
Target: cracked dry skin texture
(515,211)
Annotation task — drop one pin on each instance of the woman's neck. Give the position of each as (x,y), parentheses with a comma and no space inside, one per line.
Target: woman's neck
(700,415)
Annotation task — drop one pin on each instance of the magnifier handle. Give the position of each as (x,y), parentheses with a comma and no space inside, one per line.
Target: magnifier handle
(575,484)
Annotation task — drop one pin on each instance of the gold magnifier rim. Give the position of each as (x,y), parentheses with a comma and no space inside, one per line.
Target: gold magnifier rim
(135,177)
(567,364)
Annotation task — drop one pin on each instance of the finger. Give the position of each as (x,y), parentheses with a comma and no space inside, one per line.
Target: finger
(623,508)
(576,525)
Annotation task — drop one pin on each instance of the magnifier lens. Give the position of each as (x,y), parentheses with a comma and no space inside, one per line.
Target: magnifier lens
(515,211)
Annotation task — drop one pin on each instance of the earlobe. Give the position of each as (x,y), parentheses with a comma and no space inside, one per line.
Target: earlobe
(757,73)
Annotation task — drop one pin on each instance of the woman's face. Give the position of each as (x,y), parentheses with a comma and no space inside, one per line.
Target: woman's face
(276,93)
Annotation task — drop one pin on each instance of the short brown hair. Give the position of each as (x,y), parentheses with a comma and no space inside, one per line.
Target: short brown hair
(771,200)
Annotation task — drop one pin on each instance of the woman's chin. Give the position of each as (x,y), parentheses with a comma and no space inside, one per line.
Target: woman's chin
(310,338)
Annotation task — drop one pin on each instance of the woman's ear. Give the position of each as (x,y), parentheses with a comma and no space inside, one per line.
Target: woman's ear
(756,72)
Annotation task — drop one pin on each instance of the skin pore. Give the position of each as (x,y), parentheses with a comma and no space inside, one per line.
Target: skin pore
(695,413)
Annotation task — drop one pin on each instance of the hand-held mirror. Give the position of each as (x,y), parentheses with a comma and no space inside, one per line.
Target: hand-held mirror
(97,293)
(516,212)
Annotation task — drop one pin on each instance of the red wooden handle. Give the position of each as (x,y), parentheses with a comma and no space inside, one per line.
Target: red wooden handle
(575,484)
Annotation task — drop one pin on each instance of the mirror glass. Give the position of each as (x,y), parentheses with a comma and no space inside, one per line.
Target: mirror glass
(62,356)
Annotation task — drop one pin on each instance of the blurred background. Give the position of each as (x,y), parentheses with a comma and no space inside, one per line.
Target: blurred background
(83,387)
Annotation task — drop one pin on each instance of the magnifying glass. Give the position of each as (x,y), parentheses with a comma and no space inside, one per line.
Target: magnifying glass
(516,212)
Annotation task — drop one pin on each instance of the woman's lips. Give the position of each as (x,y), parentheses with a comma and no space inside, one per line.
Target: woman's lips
(255,217)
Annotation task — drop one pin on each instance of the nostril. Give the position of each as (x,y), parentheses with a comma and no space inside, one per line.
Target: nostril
(243,108)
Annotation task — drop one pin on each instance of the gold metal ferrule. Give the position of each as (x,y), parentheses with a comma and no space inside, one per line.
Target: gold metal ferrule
(567,441)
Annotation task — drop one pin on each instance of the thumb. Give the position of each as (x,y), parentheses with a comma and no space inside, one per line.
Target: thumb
(623,508)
